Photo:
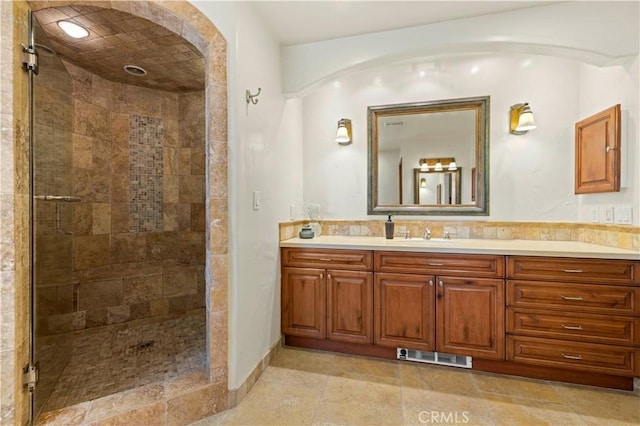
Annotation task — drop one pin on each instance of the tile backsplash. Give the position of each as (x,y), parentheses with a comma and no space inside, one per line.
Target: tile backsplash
(627,237)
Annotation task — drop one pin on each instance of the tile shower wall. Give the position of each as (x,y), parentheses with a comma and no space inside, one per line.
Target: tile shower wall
(138,233)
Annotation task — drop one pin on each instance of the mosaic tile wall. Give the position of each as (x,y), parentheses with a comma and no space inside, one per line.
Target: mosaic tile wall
(146,143)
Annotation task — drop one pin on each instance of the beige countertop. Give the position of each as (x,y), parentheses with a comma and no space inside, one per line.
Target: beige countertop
(476,246)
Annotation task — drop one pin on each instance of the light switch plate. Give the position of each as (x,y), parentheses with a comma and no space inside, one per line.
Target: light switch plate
(624,215)
(256,200)
(606,214)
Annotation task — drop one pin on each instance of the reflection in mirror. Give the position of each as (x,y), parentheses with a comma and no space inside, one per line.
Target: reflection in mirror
(431,187)
(403,137)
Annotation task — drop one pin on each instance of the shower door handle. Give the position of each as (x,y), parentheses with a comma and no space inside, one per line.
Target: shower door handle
(65,198)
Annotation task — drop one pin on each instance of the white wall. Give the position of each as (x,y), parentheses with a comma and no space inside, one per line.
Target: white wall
(531,176)
(264,152)
(596,32)
(601,88)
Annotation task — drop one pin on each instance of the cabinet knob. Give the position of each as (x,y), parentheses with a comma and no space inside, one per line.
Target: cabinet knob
(431,283)
(321,276)
(329,276)
(440,283)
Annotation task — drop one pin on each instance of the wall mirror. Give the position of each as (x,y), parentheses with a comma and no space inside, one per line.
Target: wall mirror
(414,141)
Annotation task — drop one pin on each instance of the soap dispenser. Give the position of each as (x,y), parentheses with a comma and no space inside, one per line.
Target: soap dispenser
(388,229)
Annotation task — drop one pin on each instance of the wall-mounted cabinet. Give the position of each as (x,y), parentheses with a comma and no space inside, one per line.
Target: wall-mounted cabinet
(598,152)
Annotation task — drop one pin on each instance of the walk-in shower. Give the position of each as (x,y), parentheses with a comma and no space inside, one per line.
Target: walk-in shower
(118,205)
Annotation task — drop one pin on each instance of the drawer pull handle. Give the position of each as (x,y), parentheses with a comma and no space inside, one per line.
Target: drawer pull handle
(572,327)
(436,264)
(326,260)
(572,298)
(573,271)
(574,357)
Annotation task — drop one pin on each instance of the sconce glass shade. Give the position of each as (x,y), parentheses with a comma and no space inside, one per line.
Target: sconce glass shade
(521,119)
(453,166)
(438,167)
(424,166)
(423,183)
(343,136)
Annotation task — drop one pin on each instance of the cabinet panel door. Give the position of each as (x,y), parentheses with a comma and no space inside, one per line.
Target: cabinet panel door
(304,302)
(598,152)
(350,306)
(404,311)
(470,317)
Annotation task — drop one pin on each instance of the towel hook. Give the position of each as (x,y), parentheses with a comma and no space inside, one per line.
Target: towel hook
(252,98)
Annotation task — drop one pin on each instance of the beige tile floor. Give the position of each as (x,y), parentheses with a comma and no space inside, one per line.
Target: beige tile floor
(303,387)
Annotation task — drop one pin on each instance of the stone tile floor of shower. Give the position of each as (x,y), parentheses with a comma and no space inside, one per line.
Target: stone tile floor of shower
(125,356)
(303,387)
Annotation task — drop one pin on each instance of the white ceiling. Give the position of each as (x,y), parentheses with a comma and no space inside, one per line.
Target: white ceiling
(297,22)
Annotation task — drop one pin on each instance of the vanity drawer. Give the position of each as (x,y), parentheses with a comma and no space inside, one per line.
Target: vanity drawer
(617,360)
(591,298)
(581,327)
(355,260)
(573,270)
(460,265)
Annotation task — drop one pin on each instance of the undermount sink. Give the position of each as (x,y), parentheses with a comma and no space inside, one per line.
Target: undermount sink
(423,241)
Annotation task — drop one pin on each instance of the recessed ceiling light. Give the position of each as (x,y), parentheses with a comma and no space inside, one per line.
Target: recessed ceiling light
(135,70)
(73,30)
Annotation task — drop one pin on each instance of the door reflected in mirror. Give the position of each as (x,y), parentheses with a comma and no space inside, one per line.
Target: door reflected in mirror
(436,188)
(402,137)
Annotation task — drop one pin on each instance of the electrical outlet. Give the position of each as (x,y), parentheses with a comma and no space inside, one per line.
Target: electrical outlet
(606,214)
(594,215)
(624,215)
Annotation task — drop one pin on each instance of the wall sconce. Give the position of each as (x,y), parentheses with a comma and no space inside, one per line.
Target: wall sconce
(423,182)
(436,164)
(521,119)
(343,136)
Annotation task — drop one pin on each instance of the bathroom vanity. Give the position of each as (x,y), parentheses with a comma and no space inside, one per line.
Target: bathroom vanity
(555,310)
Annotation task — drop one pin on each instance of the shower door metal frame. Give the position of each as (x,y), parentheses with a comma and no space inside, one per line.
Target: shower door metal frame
(30,65)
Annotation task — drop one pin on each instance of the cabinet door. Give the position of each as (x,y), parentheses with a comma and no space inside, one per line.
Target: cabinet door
(404,311)
(470,317)
(598,152)
(304,302)
(350,306)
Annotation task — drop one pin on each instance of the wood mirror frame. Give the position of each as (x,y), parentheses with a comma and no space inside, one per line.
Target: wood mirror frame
(480,199)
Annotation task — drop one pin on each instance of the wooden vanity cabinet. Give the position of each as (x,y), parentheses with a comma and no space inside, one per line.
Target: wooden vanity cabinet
(446,309)
(578,314)
(331,299)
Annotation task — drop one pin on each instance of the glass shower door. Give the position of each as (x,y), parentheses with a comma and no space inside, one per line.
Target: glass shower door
(51,218)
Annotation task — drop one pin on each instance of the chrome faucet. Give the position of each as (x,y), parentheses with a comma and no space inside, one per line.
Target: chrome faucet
(427,234)
(446,235)
(407,236)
